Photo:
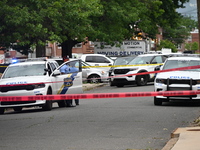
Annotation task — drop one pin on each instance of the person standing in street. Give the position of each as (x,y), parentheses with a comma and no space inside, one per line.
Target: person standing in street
(65,69)
(74,69)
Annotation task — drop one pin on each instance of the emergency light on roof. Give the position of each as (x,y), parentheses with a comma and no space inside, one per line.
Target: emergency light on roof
(37,59)
(15,60)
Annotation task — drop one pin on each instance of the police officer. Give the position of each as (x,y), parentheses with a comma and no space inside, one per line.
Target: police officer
(64,70)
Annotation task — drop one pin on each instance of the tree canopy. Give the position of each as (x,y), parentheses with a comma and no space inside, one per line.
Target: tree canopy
(33,22)
(167,44)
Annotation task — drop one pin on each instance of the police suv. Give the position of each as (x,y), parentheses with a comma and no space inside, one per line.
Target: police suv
(179,80)
(38,77)
(121,76)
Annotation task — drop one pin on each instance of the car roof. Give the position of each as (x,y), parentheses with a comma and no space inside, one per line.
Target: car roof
(94,54)
(33,61)
(142,55)
(184,58)
(27,63)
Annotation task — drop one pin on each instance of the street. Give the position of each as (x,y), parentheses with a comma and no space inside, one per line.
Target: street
(97,124)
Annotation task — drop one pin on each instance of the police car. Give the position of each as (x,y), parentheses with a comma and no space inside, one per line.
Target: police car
(142,63)
(178,80)
(38,77)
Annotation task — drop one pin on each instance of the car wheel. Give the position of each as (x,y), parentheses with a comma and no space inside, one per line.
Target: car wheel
(2,110)
(48,105)
(62,103)
(17,108)
(111,83)
(94,79)
(141,80)
(157,101)
(76,101)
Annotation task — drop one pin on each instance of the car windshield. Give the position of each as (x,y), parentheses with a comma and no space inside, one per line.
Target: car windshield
(25,70)
(123,60)
(140,60)
(170,64)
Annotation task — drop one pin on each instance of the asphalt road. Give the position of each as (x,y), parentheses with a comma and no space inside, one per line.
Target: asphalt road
(97,124)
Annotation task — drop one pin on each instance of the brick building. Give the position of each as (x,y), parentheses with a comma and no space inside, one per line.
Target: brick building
(54,50)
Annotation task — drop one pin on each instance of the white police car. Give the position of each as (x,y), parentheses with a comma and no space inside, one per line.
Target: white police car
(41,77)
(141,63)
(178,80)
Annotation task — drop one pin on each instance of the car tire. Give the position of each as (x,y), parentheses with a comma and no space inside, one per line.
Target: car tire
(48,105)
(111,83)
(76,101)
(157,101)
(62,103)
(2,110)
(141,80)
(94,79)
(17,109)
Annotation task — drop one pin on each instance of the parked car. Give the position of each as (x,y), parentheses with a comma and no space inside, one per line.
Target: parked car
(141,63)
(98,60)
(41,77)
(91,74)
(119,61)
(179,80)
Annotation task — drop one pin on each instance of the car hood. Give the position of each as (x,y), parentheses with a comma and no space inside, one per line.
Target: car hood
(23,80)
(179,75)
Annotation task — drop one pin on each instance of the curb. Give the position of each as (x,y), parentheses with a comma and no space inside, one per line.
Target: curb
(89,86)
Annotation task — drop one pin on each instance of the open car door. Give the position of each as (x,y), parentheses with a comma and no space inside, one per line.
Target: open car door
(70,83)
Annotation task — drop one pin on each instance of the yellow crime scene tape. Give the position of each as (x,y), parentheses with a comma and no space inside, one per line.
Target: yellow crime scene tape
(121,66)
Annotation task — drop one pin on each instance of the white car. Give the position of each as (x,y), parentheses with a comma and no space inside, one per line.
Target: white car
(141,63)
(179,80)
(91,74)
(40,77)
(98,60)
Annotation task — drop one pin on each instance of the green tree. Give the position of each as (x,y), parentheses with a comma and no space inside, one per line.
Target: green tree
(167,44)
(33,22)
(179,34)
(188,46)
(22,22)
(192,46)
(195,46)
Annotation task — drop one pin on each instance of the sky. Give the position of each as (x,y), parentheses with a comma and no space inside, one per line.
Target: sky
(189,10)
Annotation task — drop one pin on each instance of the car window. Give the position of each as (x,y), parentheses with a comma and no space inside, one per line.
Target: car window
(141,60)
(157,60)
(165,57)
(53,66)
(96,59)
(170,64)
(100,59)
(123,60)
(89,59)
(74,66)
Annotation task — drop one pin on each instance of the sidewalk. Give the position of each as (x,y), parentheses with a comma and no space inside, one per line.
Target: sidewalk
(185,138)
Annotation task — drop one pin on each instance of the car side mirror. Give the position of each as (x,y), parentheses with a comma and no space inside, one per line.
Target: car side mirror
(157,68)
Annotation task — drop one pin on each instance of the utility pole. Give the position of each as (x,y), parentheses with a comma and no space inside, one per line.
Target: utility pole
(198,16)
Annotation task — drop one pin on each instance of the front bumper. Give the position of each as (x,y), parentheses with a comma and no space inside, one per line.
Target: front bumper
(177,87)
(10,104)
(104,78)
